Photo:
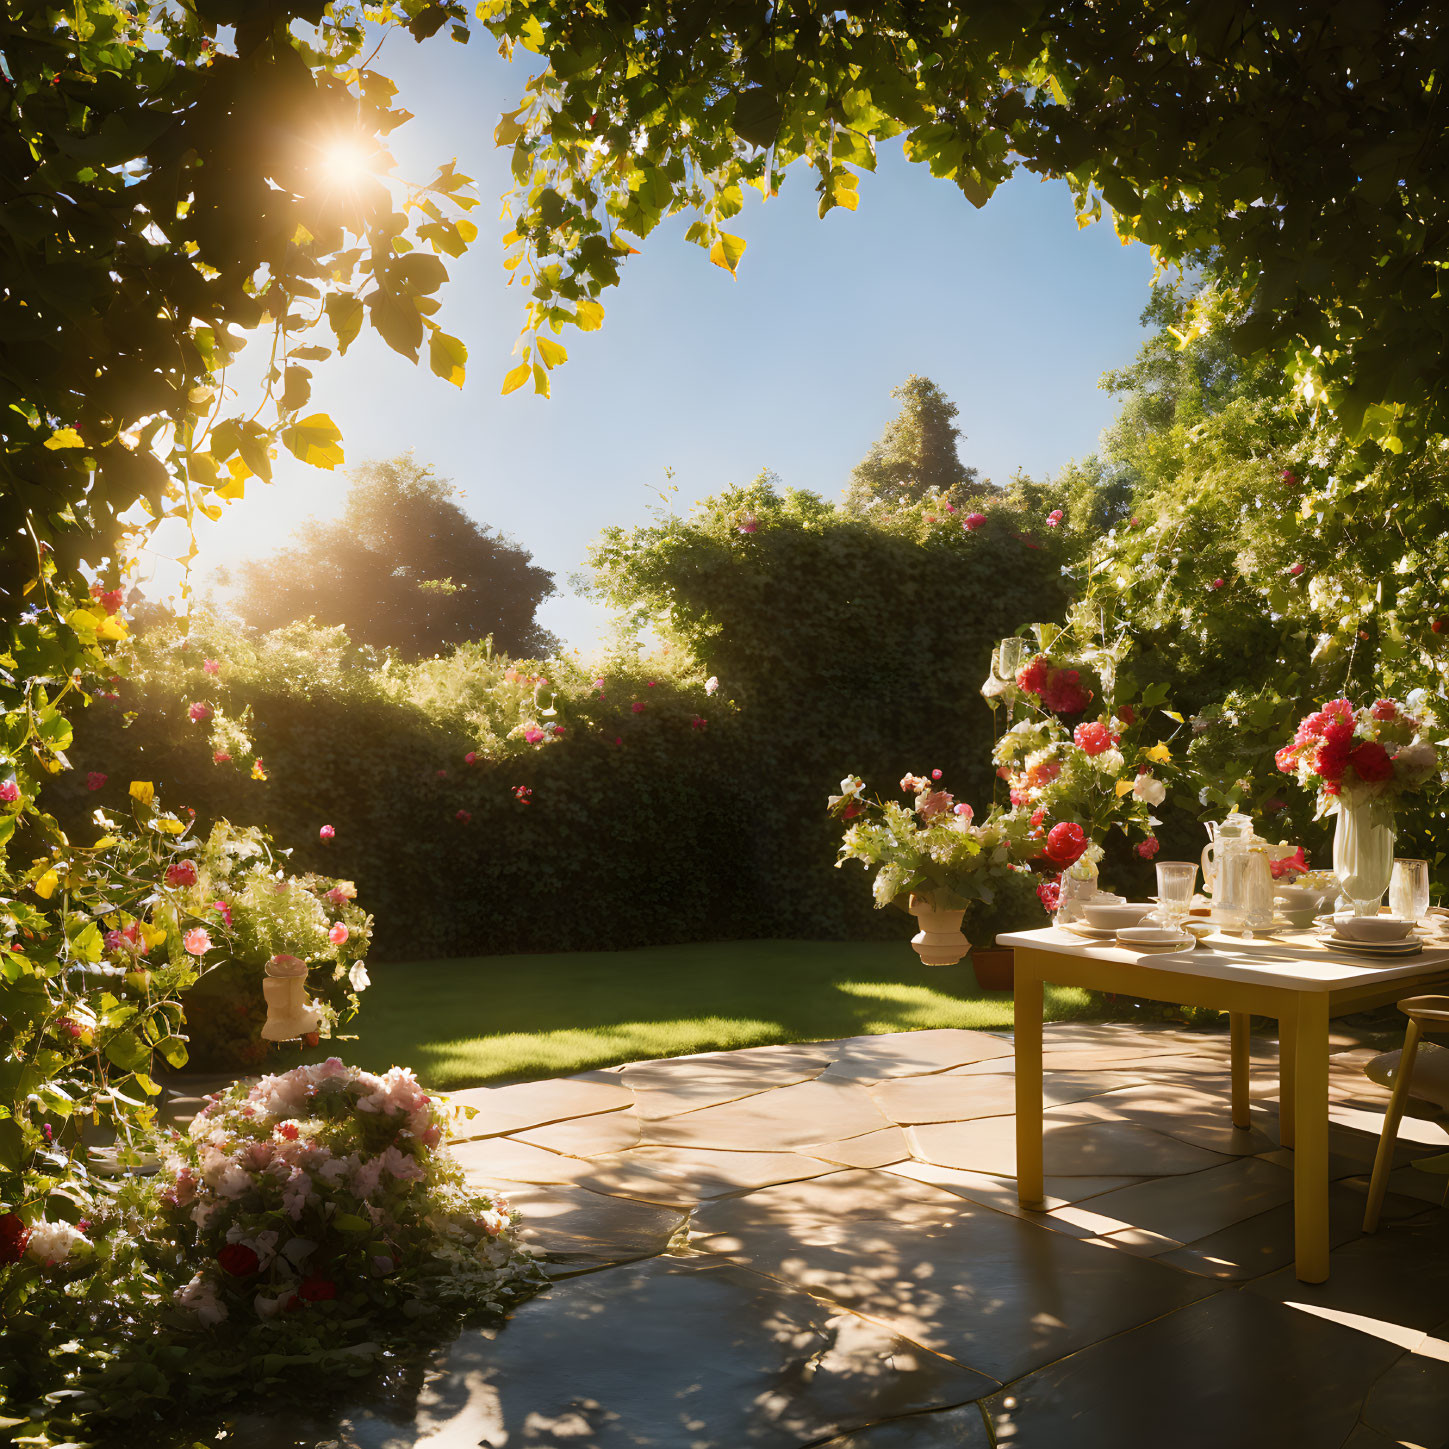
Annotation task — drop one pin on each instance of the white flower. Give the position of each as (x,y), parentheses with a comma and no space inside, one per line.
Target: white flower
(357,978)
(1149,789)
(1109,762)
(711,685)
(199,1296)
(51,1243)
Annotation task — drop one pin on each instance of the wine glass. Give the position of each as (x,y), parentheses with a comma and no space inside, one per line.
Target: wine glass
(1409,889)
(1176,880)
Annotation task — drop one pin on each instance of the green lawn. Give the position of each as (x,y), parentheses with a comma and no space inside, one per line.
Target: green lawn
(462,1022)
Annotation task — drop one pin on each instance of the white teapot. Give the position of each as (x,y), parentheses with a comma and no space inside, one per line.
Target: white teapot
(1225,859)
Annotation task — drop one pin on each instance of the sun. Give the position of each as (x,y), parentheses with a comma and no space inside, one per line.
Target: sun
(346,161)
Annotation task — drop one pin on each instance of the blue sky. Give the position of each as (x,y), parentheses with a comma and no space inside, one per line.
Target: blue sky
(1012,310)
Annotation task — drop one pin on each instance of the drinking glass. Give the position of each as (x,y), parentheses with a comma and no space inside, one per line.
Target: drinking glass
(1409,889)
(1010,655)
(1176,880)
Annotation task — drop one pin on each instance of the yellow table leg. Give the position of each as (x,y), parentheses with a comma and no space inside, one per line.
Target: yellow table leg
(1310,1149)
(1287,1030)
(1030,1187)
(1238,1024)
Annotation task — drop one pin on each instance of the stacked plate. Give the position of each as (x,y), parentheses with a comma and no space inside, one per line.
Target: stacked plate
(1335,940)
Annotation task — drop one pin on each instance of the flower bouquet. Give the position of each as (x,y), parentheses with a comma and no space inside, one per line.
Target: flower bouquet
(1360,761)
(324,1193)
(930,856)
(261,914)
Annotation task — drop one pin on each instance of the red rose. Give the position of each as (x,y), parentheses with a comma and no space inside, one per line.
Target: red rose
(1065,843)
(14,1237)
(1092,738)
(1331,758)
(1127,715)
(183,873)
(1372,763)
(239,1260)
(317,1290)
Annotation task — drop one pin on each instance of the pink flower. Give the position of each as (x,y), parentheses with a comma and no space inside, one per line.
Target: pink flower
(965,812)
(326,833)
(535,735)
(223,910)
(637,706)
(461,816)
(1055,517)
(933,803)
(558,731)
(950,508)
(1384,710)
(1136,522)
(935,774)
(442,774)
(1289,477)
(108,599)
(9,791)
(198,712)
(698,723)
(346,891)
(1149,847)
(183,873)
(211,666)
(524,793)
(649,684)
(1065,843)
(1295,569)
(95,780)
(220,758)
(1216,584)
(973,521)
(197,941)
(471,758)
(598,684)
(339,933)
(749,525)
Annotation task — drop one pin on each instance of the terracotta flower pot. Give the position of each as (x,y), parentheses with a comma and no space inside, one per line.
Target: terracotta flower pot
(994,968)
(939,942)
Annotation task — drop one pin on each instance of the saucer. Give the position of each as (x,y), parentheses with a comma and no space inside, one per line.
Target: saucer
(1128,937)
(1410,947)
(1275,929)
(1092,933)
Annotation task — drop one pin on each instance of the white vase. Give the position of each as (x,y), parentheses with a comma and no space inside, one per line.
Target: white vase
(1075,892)
(940,941)
(1363,852)
(289,1013)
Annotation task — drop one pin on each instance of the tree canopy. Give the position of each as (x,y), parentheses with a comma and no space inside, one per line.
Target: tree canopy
(172,178)
(1297,142)
(916,457)
(403,568)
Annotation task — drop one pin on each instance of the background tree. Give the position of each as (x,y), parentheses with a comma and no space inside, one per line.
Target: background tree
(403,568)
(916,457)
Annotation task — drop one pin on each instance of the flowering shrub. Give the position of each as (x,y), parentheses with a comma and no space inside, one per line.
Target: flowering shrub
(236,879)
(931,847)
(323,1193)
(1374,753)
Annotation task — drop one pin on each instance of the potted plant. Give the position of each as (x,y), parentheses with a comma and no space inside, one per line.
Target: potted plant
(1016,906)
(930,857)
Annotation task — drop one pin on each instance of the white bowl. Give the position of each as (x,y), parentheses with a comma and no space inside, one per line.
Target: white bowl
(1372,928)
(1115,917)
(1296,898)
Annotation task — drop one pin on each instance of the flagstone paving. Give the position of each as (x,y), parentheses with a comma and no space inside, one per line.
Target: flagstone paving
(821,1245)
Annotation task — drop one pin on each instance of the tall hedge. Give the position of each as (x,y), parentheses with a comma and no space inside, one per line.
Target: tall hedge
(839,644)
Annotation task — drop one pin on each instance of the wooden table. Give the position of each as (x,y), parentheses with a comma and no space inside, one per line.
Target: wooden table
(1292,978)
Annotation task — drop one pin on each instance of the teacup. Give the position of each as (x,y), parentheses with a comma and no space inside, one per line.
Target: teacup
(1372,928)
(1115,917)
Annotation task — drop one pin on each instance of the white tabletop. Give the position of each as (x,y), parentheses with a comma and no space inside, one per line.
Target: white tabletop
(1295,961)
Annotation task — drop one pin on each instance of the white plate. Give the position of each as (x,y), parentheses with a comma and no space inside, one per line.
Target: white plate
(1362,948)
(1129,936)
(1093,933)
(1256,931)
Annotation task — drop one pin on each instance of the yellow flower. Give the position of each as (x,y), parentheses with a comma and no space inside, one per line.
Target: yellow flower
(143,790)
(1123,787)
(1159,754)
(45,886)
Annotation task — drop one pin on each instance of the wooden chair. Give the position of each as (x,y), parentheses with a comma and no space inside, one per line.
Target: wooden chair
(1419,1078)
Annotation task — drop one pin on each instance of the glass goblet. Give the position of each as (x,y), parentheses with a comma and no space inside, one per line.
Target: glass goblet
(1176,881)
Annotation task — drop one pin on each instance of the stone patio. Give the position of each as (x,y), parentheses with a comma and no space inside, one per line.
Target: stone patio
(820,1245)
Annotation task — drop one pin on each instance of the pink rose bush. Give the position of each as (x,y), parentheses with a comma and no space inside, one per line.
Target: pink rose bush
(320,1203)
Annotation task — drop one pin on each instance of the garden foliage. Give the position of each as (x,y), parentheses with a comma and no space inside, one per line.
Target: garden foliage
(523,804)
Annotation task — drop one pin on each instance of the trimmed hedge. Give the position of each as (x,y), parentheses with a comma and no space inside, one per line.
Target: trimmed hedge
(842,645)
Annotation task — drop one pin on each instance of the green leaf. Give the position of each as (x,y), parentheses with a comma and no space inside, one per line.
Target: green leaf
(344,312)
(727,251)
(446,356)
(316,440)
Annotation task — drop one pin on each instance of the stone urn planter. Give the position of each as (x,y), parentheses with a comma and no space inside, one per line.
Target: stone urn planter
(994,968)
(940,941)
